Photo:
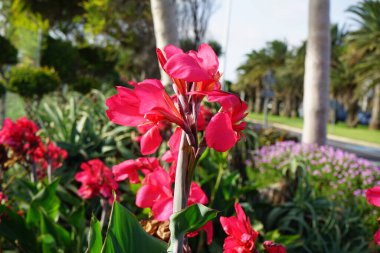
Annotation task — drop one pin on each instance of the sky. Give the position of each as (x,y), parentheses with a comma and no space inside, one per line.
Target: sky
(255,22)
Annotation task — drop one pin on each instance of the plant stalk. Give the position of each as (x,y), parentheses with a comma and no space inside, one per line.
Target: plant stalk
(185,166)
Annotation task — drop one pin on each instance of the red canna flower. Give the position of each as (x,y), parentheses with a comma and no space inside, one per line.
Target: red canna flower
(373,196)
(241,237)
(156,193)
(272,247)
(129,168)
(226,122)
(199,67)
(96,179)
(20,136)
(145,106)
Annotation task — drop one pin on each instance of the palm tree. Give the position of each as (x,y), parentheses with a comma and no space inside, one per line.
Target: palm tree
(289,81)
(316,82)
(344,85)
(367,43)
(258,65)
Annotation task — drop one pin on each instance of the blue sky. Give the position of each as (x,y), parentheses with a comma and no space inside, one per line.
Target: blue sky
(254,22)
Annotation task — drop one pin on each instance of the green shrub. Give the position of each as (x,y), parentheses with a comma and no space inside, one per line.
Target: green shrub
(63,57)
(85,84)
(31,82)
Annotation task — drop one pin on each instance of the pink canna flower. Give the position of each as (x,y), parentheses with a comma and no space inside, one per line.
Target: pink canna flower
(241,237)
(199,67)
(373,196)
(272,247)
(226,122)
(156,193)
(129,168)
(96,179)
(145,106)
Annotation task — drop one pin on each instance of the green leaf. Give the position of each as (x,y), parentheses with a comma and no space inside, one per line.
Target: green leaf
(190,219)
(48,200)
(125,234)
(13,228)
(59,234)
(95,237)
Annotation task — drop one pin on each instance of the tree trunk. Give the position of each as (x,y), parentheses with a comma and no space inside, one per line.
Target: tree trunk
(258,101)
(287,110)
(165,27)
(275,106)
(316,82)
(375,114)
(351,109)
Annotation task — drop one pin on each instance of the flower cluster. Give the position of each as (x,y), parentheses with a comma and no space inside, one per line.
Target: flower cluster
(338,171)
(97,180)
(241,236)
(156,191)
(20,138)
(195,76)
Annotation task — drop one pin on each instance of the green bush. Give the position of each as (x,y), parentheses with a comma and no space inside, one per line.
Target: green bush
(63,57)
(85,84)
(31,82)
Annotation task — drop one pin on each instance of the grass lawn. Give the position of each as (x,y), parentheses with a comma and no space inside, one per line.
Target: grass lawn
(361,133)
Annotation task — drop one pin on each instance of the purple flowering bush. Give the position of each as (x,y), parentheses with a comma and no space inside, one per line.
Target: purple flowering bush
(333,172)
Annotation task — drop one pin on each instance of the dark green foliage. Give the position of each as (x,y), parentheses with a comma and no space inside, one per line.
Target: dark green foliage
(63,57)
(58,12)
(98,61)
(31,82)
(8,53)
(84,84)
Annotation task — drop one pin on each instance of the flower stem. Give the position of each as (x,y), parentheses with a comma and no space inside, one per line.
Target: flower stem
(185,166)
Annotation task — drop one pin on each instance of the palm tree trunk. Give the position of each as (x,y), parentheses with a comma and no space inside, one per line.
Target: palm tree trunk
(316,82)
(275,106)
(258,101)
(375,118)
(165,27)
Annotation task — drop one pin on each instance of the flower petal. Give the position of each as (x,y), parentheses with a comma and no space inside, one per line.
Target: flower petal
(150,141)
(124,108)
(183,66)
(373,196)
(162,209)
(219,133)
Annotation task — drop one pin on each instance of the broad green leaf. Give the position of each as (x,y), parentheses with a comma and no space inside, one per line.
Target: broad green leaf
(95,237)
(48,200)
(125,234)
(60,235)
(13,228)
(190,219)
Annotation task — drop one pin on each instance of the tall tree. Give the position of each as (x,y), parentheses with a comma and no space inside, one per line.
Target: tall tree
(367,42)
(193,19)
(165,27)
(316,82)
